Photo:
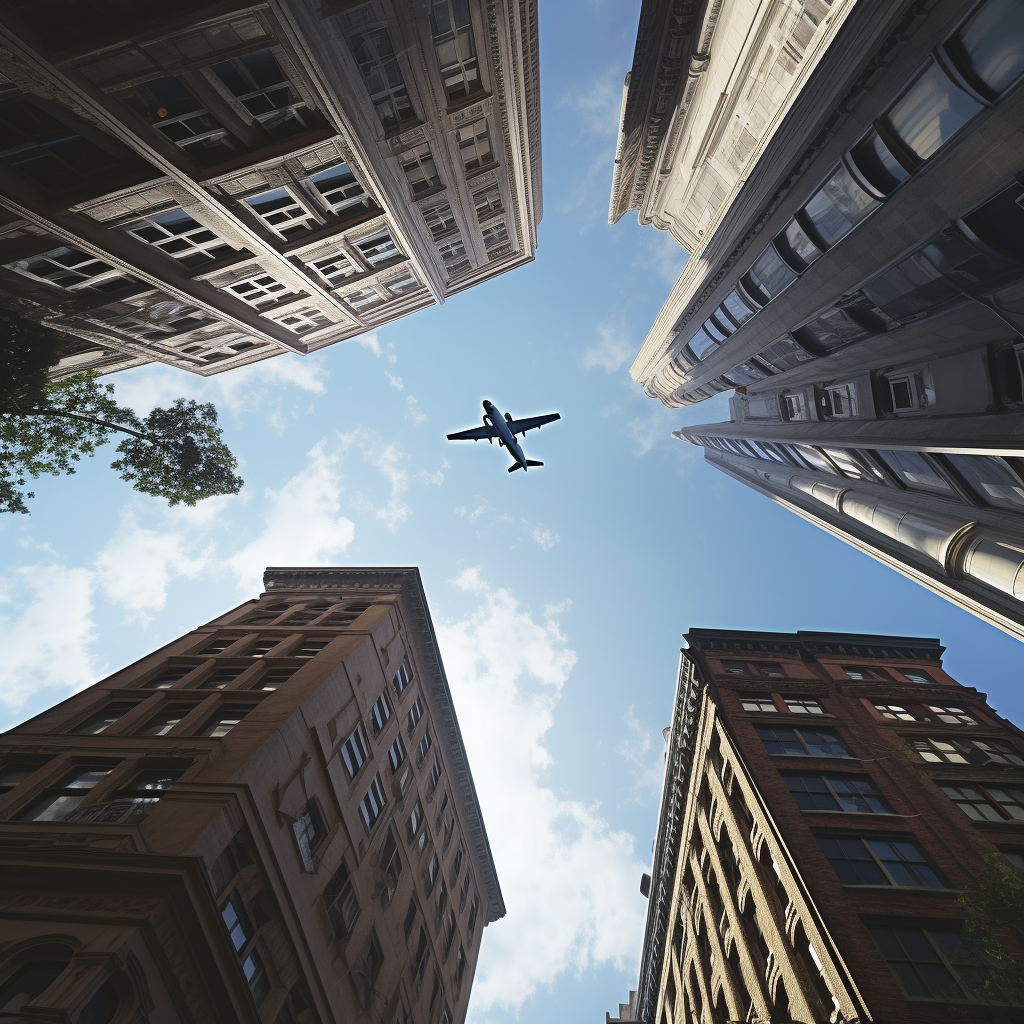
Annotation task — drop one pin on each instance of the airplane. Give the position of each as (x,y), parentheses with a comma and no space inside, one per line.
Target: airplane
(504,428)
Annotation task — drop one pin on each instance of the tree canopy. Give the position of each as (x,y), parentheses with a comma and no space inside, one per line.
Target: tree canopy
(46,427)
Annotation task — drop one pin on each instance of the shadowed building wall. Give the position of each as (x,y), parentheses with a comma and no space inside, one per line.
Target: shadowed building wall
(270,819)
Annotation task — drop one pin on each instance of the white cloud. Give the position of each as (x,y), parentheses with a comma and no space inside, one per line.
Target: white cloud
(137,564)
(597,104)
(664,255)
(639,750)
(545,538)
(396,382)
(416,414)
(610,352)
(301,523)
(48,633)
(569,880)
(387,457)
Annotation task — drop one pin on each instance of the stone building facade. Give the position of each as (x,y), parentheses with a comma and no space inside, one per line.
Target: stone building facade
(826,799)
(270,819)
(207,185)
(861,299)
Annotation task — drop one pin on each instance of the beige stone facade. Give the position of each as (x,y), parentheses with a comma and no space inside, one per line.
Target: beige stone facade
(209,185)
(270,819)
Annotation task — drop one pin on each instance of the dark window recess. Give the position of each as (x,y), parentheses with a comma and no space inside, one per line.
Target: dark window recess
(42,148)
(382,75)
(311,648)
(783,354)
(879,860)
(930,963)
(769,275)
(988,50)
(168,677)
(231,860)
(802,742)
(149,786)
(59,801)
(852,794)
(275,678)
(221,678)
(309,832)
(911,288)
(102,720)
(341,902)
(877,163)
(834,330)
(14,773)
(999,223)
(258,82)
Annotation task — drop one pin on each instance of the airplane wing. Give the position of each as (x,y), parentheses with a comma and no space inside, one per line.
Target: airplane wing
(522,426)
(474,434)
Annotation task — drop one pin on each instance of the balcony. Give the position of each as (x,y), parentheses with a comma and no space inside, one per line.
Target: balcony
(116,812)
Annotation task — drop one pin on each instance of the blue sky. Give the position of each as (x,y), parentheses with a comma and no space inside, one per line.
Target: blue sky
(560,595)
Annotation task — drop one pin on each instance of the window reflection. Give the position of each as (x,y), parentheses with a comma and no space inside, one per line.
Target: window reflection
(991,46)
(931,111)
(840,205)
(769,275)
(916,473)
(991,479)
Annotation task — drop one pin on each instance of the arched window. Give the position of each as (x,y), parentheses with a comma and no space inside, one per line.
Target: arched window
(30,980)
(102,1007)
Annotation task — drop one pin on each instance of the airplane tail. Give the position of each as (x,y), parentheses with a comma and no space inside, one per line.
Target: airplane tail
(529,462)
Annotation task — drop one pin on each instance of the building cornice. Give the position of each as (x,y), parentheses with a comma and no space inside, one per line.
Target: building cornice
(407,580)
(854,645)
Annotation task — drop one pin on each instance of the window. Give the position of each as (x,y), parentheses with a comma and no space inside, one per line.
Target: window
(770,669)
(784,354)
(256,976)
(457,862)
(402,678)
(391,864)
(702,343)
(453,42)
(262,647)
(803,706)
(473,909)
(378,248)
(218,646)
(832,330)
(168,105)
(225,720)
(372,804)
(415,821)
(260,291)
(100,721)
(839,401)
(758,702)
(495,236)
(380,712)
(916,473)
(333,268)
(258,83)
(735,668)
(991,479)
(363,298)
(460,969)
(797,246)
(987,803)
(421,750)
(236,920)
(794,407)
(464,891)
(435,774)
(908,392)
(420,169)
(981,753)
(876,162)
(61,800)
(851,794)
(229,862)
(735,309)
(1014,859)
(918,676)
(929,963)
(415,714)
(474,145)
(410,918)
(339,189)
(165,720)
(150,785)
(441,221)
(838,207)
(14,774)
(177,235)
(72,270)
(912,287)
(228,35)
(853,464)
(309,831)
(487,202)
(769,275)
(311,648)
(275,678)
(281,212)
(378,65)
(431,876)
(39,146)
(802,742)
(988,47)
(419,961)
(221,678)
(930,112)
(874,860)
(951,715)
(864,672)
(341,902)
(354,751)
(895,712)
(396,753)
(453,255)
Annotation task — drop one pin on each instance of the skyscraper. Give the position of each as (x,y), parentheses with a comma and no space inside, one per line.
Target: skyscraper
(270,819)
(860,297)
(207,185)
(827,798)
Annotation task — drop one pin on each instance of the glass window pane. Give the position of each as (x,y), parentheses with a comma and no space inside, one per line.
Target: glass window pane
(717,329)
(702,343)
(858,794)
(911,287)
(852,862)
(811,793)
(993,44)
(875,161)
(780,741)
(815,459)
(931,111)
(840,205)
(800,243)
(832,330)
(783,354)
(737,308)
(916,473)
(770,274)
(991,479)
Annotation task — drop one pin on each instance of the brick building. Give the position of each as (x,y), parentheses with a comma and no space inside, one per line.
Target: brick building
(270,819)
(210,184)
(827,797)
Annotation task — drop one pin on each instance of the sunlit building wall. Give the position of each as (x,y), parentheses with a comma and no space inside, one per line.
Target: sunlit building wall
(209,185)
(827,798)
(271,819)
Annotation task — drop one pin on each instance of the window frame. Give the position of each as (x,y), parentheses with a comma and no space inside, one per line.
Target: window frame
(865,839)
(836,796)
(798,731)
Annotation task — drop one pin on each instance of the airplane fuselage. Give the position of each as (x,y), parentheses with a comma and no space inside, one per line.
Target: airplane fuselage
(493,416)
